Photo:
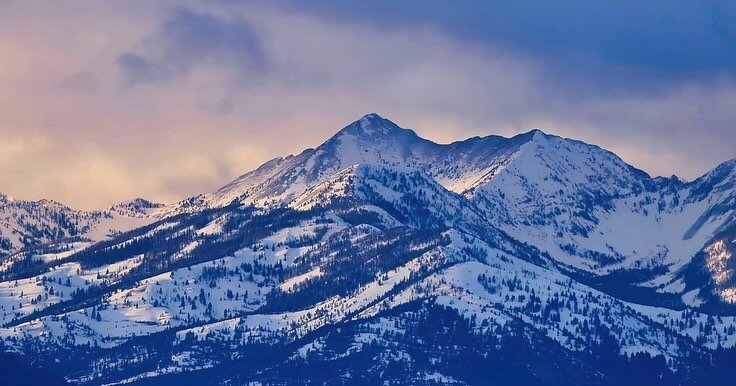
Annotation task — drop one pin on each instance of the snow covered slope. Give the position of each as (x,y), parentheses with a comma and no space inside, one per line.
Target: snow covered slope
(592,213)
(381,257)
(30,223)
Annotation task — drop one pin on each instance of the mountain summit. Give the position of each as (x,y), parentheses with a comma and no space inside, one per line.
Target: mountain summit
(563,196)
(371,140)
(382,257)
(374,125)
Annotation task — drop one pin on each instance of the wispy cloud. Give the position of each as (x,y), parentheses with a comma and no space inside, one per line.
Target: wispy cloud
(187,39)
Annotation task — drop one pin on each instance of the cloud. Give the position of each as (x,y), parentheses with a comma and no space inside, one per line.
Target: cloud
(138,69)
(81,82)
(211,89)
(187,39)
(588,46)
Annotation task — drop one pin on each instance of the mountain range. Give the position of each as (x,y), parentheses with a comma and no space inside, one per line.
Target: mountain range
(383,257)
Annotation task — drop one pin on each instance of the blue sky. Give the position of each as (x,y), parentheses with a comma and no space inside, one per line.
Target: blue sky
(166,99)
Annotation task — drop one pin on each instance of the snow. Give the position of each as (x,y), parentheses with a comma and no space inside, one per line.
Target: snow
(717,259)
(213,228)
(529,186)
(24,296)
(691,298)
(582,207)
(294,281)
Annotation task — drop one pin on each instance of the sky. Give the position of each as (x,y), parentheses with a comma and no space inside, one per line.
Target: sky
(103,101)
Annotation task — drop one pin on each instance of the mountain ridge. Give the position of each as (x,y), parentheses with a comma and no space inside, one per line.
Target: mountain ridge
(379,256)
(25,224)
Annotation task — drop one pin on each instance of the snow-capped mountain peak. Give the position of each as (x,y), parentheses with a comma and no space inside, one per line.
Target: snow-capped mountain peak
(573,200)
(721,179)
(373,124)
(371,140)
(386,256)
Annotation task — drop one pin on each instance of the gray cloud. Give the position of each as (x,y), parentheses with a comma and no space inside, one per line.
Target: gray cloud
(187,39)
(601,44)
(81,82)
(138,69)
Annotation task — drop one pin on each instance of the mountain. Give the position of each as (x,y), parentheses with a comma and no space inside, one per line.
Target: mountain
(25,224)
(575,201)
(136,208)
(382,257)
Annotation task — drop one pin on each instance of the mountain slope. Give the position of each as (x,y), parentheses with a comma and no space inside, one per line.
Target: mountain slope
(383,257)
(316,269)
(595,215)
(26,224)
